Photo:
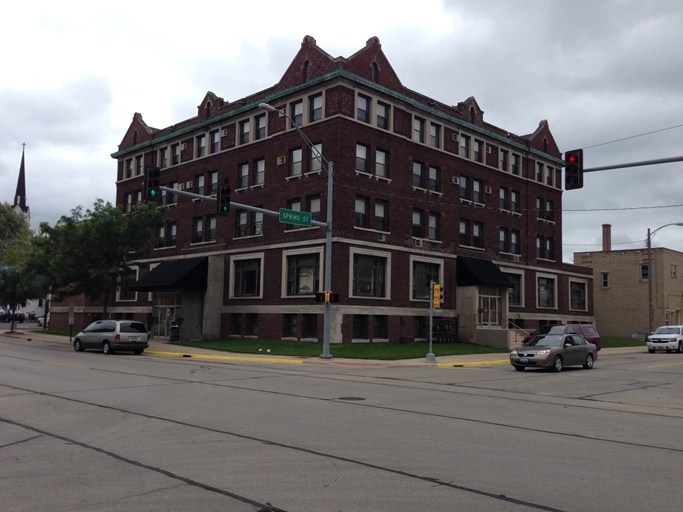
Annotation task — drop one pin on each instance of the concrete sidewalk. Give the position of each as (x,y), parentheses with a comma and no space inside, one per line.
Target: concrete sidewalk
(165,348)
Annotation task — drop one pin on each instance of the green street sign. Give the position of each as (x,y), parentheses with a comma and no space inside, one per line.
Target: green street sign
(295,217)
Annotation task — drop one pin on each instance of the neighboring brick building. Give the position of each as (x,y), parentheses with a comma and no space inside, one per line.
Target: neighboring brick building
(422,190)
(621,288)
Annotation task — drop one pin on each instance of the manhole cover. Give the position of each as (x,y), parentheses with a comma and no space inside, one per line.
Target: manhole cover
(351,398)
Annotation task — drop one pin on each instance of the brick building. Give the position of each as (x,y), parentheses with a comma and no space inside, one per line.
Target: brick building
(422,191)
(621,288)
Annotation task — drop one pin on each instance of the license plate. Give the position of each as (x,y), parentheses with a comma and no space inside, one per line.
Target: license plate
(134,338)
(524,360)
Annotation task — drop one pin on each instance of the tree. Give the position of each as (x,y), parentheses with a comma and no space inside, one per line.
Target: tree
(13,228)
(16,287)
(89,252)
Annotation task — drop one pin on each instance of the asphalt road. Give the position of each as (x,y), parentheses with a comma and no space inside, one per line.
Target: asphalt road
(89,432)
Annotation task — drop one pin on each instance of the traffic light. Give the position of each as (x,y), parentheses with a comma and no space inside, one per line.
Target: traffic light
(223,200)
(152,191)
(437,296)
(573,169)
(326,297)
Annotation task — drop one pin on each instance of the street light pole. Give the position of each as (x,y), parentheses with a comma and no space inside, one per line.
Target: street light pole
(329,167)
(650,309)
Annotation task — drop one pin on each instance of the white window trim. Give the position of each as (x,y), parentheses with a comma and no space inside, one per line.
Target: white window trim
(387,277)
(241,257)
(295,252)
(554,277)
(585,285)
(422,259)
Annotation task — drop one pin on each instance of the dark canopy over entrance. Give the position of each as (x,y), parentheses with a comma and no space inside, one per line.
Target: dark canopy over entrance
(181,274)
(475,272)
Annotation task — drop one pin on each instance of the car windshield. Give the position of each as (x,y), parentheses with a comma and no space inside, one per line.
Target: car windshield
(558,329)
(668,330)
(547,340)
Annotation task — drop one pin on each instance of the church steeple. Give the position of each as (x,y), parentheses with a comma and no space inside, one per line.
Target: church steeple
(19,205)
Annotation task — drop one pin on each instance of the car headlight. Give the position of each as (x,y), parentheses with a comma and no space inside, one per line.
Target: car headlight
(543,353)
(513,353)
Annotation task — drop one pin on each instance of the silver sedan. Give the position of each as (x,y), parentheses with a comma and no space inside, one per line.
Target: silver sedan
(554,351)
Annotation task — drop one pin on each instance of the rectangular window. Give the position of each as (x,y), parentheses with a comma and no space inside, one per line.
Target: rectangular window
(464,146)
(290,328)
(244,131)
(504,240)
(128,203)
(302,274)
(515,248)
(242,218)
(125,282)
(549,210)
(315,107)
(434,135)
(578,295)
(478,150)
(369,275)
(243,176)
(516,164)
(211,228)
(464,232)
(163,158)
(673,270)
(252,324)
(260,127)
(361,158)
(478,235)
(360,327)
(464,188)
(418,129)
(138,165)
(236,323)
(260,171)
(605,279)
(201,145)
(539,172)
(296,158)
(514,201)
(381,163)
(504,198)
(257,228)
(215,142)
(316,162)
(433,226)
(175,154)
(381,215)
(423,274)
(477,191)
(515,293)
(434,179)
(198,230)
(361,212)
(504,160)
(313,203)
(309,326)
(550,176)
(418,175)
(540,208)
(546,292)
(383,115)
(296,112)
(418,224)
(644,272)
(129,168)
(363,110)
(293,204)
(380,327)
(213,182)
(247,278)
(550,248)
(172,234)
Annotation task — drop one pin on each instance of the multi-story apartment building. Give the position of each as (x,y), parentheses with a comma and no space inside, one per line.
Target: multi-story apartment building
(423,191)
(624,287)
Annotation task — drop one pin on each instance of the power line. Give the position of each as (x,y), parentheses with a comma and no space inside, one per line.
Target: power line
(633,136)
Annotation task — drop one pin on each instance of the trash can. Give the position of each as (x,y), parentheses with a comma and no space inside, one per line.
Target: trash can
(175,331)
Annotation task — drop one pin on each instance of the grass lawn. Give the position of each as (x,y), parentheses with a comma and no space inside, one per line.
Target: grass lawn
(614,343)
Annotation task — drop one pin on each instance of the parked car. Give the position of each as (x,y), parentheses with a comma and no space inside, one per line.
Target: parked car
(667,337)
(587,331)
(554,351)
(43,320)
(17,316)
(110,336)
(4,315)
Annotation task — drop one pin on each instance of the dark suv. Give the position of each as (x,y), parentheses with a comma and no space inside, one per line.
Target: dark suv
(586,330)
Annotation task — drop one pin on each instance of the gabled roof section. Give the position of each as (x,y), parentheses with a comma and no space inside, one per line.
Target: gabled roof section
(543,140)
(209,105)
(370,62)
(472,111)
(137,132)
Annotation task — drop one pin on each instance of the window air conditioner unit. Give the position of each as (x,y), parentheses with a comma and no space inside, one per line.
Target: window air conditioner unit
(281,160)
(188,184)
(487,189)
(224,132)
(183,146)
(181,186)
(418,242)
(455,180)
(455,137)
(515,258)
(382,237)
(488,149)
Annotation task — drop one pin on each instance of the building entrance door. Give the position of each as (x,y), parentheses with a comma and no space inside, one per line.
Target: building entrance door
(166,310)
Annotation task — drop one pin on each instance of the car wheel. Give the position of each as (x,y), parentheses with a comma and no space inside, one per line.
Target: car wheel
(519,368)
(557,364)
(137,352)
(589,362)
(77,346)
(680,347)
(106,348)
(651,350)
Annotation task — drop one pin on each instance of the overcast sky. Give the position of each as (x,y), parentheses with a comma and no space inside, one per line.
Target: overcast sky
(74,73)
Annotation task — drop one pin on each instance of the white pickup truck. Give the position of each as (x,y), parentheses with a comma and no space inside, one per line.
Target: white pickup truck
(667,337)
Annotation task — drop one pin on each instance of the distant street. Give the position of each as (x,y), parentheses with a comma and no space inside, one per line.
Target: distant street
(89,432)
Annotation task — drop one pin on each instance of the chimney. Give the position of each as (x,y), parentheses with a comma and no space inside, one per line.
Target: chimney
(606,237)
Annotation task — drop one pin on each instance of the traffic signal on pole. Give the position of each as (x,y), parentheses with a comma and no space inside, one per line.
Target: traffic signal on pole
(223,200)
(326,297)
(437,295)
(152,185)
(573,169)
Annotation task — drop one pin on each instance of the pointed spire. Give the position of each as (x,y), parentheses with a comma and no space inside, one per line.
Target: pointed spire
(19,204)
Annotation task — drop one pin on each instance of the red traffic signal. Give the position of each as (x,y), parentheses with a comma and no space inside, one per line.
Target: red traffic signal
(573,169)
